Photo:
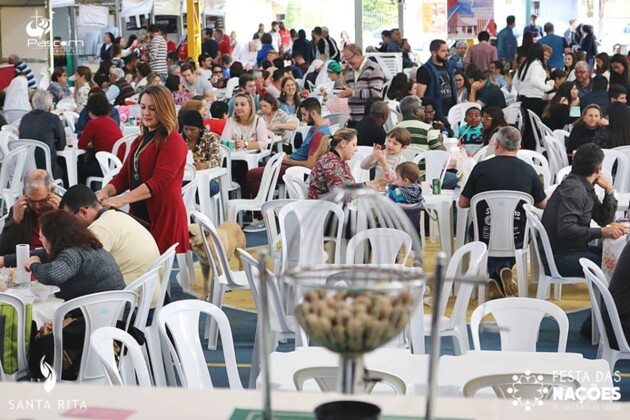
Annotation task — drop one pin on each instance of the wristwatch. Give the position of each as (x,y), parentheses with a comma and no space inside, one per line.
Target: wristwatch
(246,144)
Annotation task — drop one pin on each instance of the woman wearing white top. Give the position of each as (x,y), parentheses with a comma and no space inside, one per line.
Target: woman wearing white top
(245,128)
(248,131)
(529,81)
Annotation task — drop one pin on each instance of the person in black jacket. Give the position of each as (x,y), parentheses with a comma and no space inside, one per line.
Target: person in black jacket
(21,224)
(303,47)
(41,124)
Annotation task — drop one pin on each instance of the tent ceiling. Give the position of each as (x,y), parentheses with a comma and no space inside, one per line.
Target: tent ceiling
(21,3)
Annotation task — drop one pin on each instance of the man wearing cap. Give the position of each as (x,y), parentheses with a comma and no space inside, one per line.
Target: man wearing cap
(457,59)
(536,30)
(334,72)
(327,47)
(506,41)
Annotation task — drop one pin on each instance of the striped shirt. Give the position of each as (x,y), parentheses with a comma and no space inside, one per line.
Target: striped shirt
(23,68)
(423,135)
(157,55)
(367,82)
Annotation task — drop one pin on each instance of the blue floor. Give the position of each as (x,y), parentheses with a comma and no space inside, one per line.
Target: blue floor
(244,326)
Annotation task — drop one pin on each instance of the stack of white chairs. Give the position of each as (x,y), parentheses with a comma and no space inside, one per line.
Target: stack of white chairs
(296,182)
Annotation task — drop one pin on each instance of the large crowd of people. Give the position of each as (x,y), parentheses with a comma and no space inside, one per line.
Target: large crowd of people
(245,92)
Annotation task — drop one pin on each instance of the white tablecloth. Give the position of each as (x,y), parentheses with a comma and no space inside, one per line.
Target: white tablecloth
(218,404)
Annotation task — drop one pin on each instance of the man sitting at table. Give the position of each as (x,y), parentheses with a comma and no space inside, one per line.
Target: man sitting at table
(572,206)
(130,243)
(311,111)
(21,225)
(490,175)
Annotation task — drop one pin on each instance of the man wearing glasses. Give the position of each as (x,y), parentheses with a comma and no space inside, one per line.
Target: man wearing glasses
(363,82)
(21,225)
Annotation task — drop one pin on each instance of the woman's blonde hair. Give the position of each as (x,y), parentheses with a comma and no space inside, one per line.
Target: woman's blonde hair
(591,106)
(330,142)
(191,105)
(165,110)
(252,108)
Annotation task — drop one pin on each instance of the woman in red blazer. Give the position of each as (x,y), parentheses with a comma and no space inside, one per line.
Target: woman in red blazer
(154,172)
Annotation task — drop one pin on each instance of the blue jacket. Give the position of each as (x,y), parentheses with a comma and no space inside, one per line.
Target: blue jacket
(506,44)
(433,90)
(262,54)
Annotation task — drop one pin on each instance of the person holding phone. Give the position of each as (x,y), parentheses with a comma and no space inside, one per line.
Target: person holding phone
(22,226)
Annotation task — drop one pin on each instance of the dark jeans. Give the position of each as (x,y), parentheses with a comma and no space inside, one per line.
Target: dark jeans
(450,181)
(537,106)
(569,264)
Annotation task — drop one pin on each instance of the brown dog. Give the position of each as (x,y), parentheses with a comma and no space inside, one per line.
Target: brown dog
(231,236)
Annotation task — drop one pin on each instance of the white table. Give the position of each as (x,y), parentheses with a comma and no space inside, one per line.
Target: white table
(71,155)
(442,204)
(252,158)
(411,368)
(205,176)
(218,404)
(455,371)
(42,298)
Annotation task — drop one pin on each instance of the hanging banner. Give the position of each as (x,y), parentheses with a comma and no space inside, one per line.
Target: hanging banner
(466,18)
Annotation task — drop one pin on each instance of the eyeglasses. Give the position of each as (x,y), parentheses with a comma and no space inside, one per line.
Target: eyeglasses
(217,72)
(38,202)
(487,118)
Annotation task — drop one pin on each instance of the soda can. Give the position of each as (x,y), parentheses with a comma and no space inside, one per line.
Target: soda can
(436,186)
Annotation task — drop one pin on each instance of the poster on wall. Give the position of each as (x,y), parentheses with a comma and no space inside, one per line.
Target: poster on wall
(434,16)
(466,18)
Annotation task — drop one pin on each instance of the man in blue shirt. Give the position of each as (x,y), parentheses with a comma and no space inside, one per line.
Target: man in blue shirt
(536,30)
(506,41)
(558,46)
(306,155)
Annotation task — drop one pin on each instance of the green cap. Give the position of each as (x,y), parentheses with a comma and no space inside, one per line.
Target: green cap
(334,66)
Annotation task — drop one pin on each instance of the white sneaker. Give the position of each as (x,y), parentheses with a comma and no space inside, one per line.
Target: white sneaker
(255,226)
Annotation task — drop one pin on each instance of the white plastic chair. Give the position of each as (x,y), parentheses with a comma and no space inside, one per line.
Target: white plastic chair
(359,174)
(33,146)
(455,325)
(457,114)
(392,119)
(189,191)
(302,229)
(110,165)
(539,163)
(513,115)
(126,141)
(11,175)
(626,151)
(226,160)
(102,344)
(227,279)
(20,312)
(556,154)
(411,151)
(337,118)
(540,131)
(620,179)
(145,288)
(518,320)
(542,245)
(13,115)
(326,379)
(102,309)
(503,385)
(270,212)
(436,162)
(600,295)
(283,326)
(157,356)
(502,205)
(179,327)
(265,193)
(296,181)
(385,246)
